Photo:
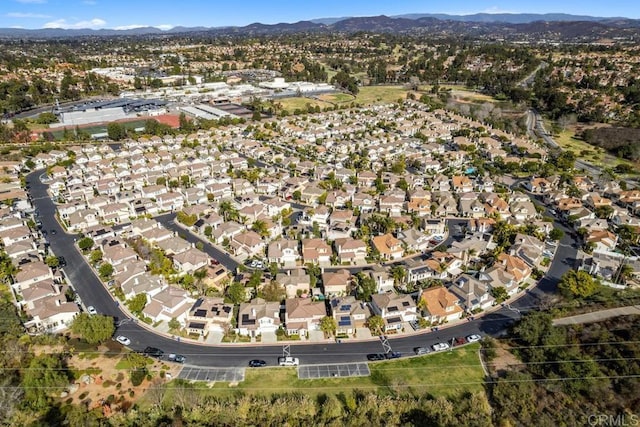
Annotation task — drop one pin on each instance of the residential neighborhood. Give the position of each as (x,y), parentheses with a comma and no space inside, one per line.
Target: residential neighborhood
(334,215)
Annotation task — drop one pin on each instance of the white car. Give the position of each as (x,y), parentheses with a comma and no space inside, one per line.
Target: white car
(123,340)
(473,338)
(440,346)
(288,361)
(91,310)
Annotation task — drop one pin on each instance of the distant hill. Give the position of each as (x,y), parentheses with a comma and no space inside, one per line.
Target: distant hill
(553,26)
(509,18)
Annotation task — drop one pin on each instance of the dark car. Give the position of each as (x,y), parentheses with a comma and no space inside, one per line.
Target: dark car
(393,355)
(53,232)
(153,352)
(257,363)
(375,356)
(61,261)
(178,358)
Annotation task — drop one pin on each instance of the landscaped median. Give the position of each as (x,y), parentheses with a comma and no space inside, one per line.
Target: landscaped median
(447,373)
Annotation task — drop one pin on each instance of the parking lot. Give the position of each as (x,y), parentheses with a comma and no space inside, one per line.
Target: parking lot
(231,375)
(311,372)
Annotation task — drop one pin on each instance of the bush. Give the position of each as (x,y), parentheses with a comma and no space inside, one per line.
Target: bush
(138,375)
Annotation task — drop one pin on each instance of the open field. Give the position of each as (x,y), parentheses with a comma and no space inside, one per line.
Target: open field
(59,132)
(380,94)
(461,93)
(337,98)
(300,103)
(595,155)
(442,374)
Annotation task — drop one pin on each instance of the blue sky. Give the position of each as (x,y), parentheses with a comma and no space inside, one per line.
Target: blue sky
(212,13)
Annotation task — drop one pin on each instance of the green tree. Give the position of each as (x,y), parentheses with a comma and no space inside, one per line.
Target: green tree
(116,131)
(44,378)
(105,270)
(52,261)
(328,326)
(499,293)
(174,324)
(188,220)
(556,234)
(376,325)
(94,329)
(137,303)
(236,293)
(272,291)
(577,284)
(261,228)
(366,286)
(85,244)
(96,256)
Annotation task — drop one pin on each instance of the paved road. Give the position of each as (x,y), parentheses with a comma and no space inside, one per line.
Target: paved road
(168,221)
(93,292)
(597,316)
(535,126)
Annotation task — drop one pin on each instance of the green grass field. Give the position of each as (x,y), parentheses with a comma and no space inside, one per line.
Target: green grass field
(291,104)
(58,133)
(595,155)
(380,94)
(337,98)
(442,374)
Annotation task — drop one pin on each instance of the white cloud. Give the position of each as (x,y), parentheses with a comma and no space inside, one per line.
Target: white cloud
(129,27)
(496,9)
(32,1)
(62,23)
(27,15)
(164,27)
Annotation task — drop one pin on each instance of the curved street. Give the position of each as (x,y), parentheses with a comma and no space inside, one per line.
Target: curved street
(93,292)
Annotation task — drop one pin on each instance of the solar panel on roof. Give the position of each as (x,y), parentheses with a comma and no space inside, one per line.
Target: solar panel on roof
(344,323)
(344,318)
(345,307)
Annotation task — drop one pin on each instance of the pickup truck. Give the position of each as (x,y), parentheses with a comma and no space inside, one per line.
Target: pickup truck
(288,361)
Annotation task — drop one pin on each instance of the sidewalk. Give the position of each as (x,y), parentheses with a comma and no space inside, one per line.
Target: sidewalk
(597,316)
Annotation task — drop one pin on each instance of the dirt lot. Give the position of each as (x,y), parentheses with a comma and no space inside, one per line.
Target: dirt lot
(103,378)
(504,360)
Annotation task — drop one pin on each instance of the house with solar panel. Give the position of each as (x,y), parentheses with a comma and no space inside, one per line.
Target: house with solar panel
(394,309)
(349,313)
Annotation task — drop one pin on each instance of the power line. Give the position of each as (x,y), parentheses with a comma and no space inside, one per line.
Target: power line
(448,384)
(378,368)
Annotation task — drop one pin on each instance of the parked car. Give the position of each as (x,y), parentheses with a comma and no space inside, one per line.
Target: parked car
(421,350)
(153,352)
(460,341)
(440,346)
(123,340)
(178,358)
(415,325)
(375,356)
(62,262)
(474,338)
(288,361)
(257,363)
(92,310)
(393,355)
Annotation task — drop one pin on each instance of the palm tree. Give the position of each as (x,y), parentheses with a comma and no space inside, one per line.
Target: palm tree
(261,228)
(228,211)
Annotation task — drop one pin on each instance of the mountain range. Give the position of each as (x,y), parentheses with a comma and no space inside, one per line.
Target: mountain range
(553,25)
